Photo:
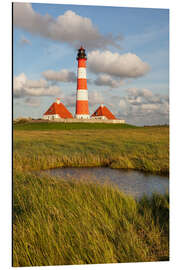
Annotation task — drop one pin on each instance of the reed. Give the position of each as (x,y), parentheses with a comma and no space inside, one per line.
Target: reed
(58,222)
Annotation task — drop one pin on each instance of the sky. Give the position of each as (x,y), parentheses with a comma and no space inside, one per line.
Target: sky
(127,65)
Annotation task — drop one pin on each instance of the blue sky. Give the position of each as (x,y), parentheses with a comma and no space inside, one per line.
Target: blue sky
(134,88)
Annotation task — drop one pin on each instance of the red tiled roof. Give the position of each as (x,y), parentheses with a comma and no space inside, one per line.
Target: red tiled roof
(60,109)
(103,111)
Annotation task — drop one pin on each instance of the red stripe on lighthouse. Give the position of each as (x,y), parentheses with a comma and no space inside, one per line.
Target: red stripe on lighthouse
(82,63)
(82,84)
(82,107)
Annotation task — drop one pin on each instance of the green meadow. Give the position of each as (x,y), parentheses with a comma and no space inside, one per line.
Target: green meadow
(28,125)
(59,222)
(83,145)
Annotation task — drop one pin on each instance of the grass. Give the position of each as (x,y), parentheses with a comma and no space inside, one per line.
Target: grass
(26,125)
(145,149)
(59,222)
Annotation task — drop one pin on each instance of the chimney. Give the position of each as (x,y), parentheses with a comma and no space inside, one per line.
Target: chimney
(58,100)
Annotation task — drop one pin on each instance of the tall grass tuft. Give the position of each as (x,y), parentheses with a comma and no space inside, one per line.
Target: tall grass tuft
(58,222)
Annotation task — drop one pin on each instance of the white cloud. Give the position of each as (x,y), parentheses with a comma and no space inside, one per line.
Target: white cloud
(62,76)
(69,27)
(32,102)
(36,83)
(149,107)
(19,81)
(135,92)
(121,65)
(26,18)
(142,107)
(95,97)
(107,80)
(69,100)
(23,87)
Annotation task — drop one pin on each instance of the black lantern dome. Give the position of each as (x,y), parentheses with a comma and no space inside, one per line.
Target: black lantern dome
(81,54)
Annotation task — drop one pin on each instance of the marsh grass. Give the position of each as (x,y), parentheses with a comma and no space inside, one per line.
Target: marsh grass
(58,222)
(145,149)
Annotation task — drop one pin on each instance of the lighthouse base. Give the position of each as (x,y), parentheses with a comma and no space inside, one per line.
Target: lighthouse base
(82,116)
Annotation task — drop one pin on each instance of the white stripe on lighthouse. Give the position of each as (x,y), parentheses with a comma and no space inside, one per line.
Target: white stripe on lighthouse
(82,94)
(81,73)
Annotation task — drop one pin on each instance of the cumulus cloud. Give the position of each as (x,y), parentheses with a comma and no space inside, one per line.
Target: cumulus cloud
(107,80)
(120,65)
(142,107)
(95,97)
(135,92)
(63,75)
(145,96)
(23,87)
(36,83)
(69,100)
(32,102)
(70,27)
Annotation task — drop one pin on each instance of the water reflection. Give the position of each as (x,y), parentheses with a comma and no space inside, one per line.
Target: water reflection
(131,182)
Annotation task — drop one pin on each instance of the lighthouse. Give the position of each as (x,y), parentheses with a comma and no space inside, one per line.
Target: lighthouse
(82,109)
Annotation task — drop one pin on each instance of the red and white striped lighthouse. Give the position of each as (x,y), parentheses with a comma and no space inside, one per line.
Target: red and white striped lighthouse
(82,109)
